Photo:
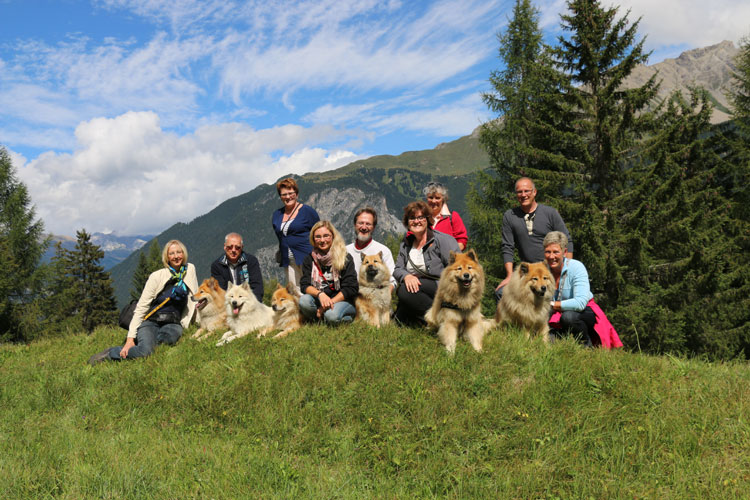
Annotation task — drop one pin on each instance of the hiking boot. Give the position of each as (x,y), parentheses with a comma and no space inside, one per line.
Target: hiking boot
(99,357)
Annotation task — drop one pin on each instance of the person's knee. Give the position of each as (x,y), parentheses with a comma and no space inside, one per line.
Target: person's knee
(307,305)
(568,318)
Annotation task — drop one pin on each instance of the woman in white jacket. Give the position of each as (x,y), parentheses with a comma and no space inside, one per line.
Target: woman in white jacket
(163,310)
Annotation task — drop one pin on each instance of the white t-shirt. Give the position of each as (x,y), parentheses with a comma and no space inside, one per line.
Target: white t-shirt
(416,256)
(372,248)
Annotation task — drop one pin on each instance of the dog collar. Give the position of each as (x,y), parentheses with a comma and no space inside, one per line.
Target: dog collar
(450,305)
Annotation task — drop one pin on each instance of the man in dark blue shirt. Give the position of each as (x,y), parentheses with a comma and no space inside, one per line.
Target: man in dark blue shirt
(237,267)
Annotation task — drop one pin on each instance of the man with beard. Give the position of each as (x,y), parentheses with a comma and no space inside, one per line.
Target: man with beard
(365,221)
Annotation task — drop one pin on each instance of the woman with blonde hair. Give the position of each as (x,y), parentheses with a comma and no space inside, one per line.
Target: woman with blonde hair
(164,309)
(329,281)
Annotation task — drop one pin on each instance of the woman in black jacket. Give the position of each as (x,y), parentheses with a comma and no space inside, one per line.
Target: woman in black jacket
(329,282)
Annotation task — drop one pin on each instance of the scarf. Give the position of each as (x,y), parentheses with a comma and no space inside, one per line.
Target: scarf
(317,279)
(179,290)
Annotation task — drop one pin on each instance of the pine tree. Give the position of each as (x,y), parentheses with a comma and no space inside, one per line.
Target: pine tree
(524,92)
(88,295)
(147,264)
(21,246)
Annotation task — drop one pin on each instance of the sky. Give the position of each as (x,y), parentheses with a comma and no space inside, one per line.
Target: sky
(128,116)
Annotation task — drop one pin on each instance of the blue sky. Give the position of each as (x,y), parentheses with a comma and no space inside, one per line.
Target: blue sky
(131,115)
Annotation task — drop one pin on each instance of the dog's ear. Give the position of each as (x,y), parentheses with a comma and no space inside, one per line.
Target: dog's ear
(245,285)
(362,257)
(291,289)
(453,257)
(278,286)
(380,254)
(472,255)
(524,268)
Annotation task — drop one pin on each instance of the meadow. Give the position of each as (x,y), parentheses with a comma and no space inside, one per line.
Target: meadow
(356,412)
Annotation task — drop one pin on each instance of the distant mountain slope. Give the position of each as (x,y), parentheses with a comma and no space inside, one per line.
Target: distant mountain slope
(385,182)
(710,67)
(116,248)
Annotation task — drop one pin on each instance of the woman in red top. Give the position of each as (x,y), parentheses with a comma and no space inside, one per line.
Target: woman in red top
(445,221)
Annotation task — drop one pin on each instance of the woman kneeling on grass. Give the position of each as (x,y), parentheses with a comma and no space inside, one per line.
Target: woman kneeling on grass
(574,309)
(329,281)
(422,256)
(163,310)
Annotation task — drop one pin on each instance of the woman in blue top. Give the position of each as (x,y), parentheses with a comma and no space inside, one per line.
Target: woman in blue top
(572,293)
(292,224)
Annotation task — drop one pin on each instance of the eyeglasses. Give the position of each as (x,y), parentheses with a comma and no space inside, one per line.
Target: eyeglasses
(323,237)
(288,195)
(233,247)
(417,218)
(365,224)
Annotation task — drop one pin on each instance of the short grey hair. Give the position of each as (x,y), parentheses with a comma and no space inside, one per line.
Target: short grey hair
(234,235)
(533,186)
(556,238)
(435,187)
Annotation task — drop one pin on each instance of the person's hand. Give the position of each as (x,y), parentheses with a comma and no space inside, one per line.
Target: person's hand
(326,302)
(128,344)
(412,283)
(503,283)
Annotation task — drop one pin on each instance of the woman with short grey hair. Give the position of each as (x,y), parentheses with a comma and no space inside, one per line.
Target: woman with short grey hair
(445,221)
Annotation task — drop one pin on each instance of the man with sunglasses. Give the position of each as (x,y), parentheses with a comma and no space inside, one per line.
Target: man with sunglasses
(524,229)
(237,266)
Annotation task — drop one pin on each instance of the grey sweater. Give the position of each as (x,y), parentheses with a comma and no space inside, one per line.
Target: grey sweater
(515,235)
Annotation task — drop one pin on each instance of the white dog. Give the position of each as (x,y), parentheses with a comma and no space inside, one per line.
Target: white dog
(244,313)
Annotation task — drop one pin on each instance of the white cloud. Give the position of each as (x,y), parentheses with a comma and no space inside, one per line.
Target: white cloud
(131,176)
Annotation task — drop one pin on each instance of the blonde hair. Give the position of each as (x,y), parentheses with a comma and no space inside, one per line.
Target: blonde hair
(165,252)
(338,247)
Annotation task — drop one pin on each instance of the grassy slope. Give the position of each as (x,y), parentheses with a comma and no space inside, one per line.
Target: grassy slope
(357,413)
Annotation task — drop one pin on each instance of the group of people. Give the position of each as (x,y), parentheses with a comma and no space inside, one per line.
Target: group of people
(325,269)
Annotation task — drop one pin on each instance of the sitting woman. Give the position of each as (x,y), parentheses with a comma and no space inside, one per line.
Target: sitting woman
(163,310)
(422,256)
(574,309)
(328,281)
(444,220)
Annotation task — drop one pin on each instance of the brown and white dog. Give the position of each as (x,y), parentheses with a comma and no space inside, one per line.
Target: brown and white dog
(212,313)
(456,308)
(286,314)
(526,299)
(373,303)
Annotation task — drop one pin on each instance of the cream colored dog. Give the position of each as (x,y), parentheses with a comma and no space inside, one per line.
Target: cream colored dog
(374,300)
(244,313)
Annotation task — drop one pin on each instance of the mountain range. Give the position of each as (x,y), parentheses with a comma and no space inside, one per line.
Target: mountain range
(388,183)
(116,248)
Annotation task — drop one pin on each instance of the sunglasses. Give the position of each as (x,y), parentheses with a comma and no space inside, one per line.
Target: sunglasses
(233,247)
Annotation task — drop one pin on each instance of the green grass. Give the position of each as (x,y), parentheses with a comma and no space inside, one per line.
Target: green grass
(359,413)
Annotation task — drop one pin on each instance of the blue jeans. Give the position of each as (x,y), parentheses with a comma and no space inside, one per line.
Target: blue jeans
(148,335)
(340,312)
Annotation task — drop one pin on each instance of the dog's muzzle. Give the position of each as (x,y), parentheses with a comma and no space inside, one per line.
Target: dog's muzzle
(236,308)
(540,292)
(201,303)
(466,280)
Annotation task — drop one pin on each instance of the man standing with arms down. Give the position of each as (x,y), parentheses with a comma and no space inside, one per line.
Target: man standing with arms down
(524,228)
(365,221)
(236,266)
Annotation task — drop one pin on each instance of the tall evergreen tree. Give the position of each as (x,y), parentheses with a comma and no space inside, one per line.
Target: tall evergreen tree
(147,264)
(21,246)
(89,295)
(523,92)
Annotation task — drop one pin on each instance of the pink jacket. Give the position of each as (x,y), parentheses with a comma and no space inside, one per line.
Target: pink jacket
(603,327)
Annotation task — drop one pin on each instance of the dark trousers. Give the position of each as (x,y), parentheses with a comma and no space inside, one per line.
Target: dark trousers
(580,325)
(413,306)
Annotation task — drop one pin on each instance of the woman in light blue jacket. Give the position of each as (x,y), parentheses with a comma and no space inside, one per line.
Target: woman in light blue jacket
(572,293)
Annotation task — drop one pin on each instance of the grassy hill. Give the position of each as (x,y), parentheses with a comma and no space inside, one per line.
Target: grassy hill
(360,413)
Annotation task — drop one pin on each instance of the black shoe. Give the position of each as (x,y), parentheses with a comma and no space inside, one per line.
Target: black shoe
(99,357)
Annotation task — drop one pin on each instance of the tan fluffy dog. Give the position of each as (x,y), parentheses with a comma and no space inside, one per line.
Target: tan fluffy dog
(286,314)
(526,299)
(212,313)
(374,300)
(457,305)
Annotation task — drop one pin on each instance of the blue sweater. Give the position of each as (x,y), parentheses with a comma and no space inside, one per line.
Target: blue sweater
(574,291)
(297,236)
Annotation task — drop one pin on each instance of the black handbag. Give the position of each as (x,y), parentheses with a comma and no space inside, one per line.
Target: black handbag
(126,315)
